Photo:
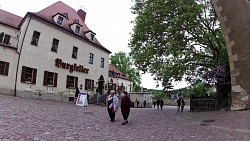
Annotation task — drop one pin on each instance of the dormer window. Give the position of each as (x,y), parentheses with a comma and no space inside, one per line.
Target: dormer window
(76,26)
(92,37)
(60,20)
(77,30)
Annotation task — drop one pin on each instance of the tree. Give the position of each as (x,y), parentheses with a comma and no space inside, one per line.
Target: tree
(176,39)
(124,64)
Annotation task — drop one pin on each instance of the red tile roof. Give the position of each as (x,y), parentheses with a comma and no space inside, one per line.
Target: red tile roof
(9,19)
(60,7)
(117,71)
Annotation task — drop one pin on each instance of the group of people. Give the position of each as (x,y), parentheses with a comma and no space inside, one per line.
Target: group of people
(112,106)
(159,103)
(180,103)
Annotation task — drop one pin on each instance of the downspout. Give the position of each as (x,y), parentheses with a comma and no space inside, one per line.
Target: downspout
(19,55)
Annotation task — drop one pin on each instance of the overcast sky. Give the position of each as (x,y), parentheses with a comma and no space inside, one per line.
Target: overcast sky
(109,19)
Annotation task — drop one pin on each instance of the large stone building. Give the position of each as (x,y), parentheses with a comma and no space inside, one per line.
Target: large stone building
(234,16)
(47,54)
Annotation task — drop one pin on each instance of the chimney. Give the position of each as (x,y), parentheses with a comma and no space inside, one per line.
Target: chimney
(82,14)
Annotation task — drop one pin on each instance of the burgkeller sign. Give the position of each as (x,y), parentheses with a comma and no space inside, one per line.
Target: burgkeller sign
(71,67)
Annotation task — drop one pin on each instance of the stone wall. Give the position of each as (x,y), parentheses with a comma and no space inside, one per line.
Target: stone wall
(234,16)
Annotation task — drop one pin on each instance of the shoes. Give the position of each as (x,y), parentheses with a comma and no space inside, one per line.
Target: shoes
(124,122)
(112,120)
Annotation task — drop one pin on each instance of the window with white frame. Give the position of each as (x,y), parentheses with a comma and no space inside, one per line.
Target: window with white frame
(35,38)
(74,52)
(4,68)
(72,81)
(102,62)
(28,75)
(89,84)
(59,20)
(5,39)
(91,58)
(54,45)
(50,79)
(77,29)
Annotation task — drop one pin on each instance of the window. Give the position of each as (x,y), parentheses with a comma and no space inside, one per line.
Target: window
(102,62)
(35,38)
(5,39)
(50,79)
(60,20)
(89,84)
(92,37)
(91,58)
(4,68)
(28,75)
(72,81)
(74,52)
(54,45)
(77,30)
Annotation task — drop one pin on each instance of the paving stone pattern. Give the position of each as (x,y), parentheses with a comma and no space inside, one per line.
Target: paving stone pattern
(32,120)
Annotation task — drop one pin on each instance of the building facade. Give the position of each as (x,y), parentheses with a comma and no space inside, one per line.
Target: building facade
(47,54)
(118,81)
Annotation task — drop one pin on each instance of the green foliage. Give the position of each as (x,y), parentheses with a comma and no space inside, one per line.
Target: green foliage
(157,93)
(185,92)
(199,90)
(176,39)
(124,64)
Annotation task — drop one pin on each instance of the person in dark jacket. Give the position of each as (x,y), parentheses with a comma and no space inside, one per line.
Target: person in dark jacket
(77,93)
(125,107)
(158,103)
(161,103)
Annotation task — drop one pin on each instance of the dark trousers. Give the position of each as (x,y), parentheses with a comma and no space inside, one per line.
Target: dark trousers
(111,114)
(125,115)
(182,107)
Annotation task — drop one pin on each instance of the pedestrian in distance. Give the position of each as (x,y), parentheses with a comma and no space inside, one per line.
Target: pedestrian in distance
(154,103)
(138,103)
(125,107)
(112,105)
(180,104)
(144,103)
(161,103)
(158,103)
(77,93)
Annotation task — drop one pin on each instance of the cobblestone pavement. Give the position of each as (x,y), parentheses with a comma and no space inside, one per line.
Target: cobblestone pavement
(32,120)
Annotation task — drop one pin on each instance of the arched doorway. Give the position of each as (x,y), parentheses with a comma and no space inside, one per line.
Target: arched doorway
(100,87)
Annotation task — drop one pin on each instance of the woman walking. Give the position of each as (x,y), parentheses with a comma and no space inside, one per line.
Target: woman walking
(125,107)
(112,105)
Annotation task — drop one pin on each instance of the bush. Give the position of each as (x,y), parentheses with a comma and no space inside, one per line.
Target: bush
(199,90)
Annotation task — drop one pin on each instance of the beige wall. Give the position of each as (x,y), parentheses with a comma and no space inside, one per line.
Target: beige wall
(42,58)
(8,54)
(140,96)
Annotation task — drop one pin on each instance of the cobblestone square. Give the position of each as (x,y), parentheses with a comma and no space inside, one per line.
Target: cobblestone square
(32,120)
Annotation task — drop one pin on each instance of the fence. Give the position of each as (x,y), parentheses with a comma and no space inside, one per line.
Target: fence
(206,104)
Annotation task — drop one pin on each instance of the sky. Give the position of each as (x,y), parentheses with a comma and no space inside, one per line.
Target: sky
(109,19)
